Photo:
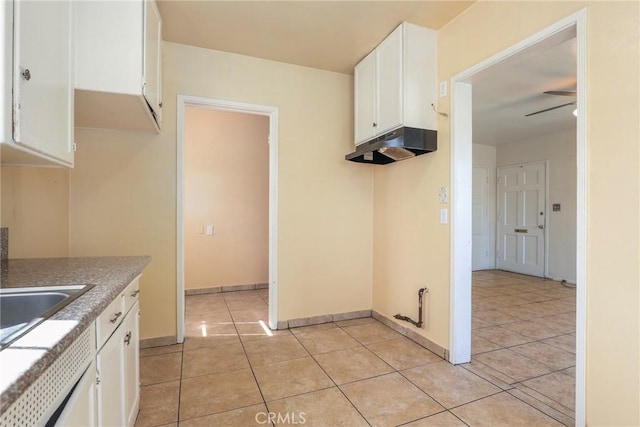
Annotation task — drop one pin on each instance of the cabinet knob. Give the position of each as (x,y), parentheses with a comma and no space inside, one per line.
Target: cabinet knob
(160,104)
(375,124)
(26,74)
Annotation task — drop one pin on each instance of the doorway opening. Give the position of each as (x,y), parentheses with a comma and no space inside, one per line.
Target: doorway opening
(203,228)
(461,183)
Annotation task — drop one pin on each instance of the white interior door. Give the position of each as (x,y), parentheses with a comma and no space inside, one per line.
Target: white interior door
(480,221)
(521,218)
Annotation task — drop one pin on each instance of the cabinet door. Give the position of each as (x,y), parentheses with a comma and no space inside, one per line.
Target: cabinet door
(110,387)
(108,58)
(80,410)
(42,78)
(131,344)
(365,98)
(389,78)
(152,58)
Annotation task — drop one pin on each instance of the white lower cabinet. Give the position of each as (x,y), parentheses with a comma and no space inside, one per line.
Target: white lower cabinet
(110,381)
(117,361)
(131,364)
(80,410)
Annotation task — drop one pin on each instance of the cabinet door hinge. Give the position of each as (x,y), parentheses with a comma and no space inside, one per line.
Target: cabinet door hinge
(74,147)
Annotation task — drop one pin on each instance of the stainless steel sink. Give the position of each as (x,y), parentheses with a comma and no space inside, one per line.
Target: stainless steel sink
(22,309)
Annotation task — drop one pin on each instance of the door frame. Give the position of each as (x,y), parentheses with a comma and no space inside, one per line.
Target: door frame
(461,169)
(185,101)
(547,206)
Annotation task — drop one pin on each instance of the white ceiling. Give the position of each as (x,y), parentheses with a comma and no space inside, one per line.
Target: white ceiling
(505,93)
(335,35)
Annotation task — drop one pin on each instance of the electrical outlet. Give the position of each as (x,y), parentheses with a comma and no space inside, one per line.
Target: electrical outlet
(443,195)
(209,230)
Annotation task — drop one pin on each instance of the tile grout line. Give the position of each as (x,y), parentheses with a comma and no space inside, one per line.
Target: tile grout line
(329,376)
(503,326)
(244,350)
(543,395)
(394,370)
(542,412)
(375,376)
(388,373)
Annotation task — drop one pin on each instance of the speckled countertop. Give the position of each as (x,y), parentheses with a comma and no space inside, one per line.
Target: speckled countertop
(110,275)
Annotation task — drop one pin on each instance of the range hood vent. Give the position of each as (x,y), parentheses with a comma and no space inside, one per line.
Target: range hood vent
(400,144)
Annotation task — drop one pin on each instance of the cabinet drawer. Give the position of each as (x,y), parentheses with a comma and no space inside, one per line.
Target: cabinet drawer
(131,294)
(109,320)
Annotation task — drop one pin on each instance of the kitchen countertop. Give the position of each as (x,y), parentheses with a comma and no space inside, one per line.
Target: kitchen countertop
(20,367)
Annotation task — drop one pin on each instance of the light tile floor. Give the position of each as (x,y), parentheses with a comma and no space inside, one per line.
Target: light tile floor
(524,340)
(232,372)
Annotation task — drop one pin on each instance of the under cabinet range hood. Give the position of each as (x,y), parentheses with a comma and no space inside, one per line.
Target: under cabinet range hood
(400,144)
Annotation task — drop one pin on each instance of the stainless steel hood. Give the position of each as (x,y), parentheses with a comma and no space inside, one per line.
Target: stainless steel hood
(400,144)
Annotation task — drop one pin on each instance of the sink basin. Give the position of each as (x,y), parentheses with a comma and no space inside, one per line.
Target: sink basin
(22,309)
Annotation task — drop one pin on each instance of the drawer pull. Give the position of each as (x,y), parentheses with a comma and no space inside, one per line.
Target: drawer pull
(115,317)
(127,338)
(135,293)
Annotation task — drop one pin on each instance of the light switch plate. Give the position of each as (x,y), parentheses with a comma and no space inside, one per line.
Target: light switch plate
(443,88)
(444,216)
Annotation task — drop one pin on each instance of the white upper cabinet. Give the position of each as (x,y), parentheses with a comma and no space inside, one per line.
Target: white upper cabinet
(37,85)
(152,88)
(396,83)
(365,102)
(118,65)
(389,88)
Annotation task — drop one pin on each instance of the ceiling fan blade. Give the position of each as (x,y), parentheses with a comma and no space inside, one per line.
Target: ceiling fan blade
(561,92)
(550,109)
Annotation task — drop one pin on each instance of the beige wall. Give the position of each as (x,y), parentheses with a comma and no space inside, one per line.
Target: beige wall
(122,191)
(408,242)
(35,207)
(613,272)
(412,249)
(123,194)
(227,186)
(559,150)
(122,202)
